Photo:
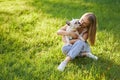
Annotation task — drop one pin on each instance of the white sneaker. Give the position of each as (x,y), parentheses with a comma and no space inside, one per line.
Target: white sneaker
(62,65)
(90,55)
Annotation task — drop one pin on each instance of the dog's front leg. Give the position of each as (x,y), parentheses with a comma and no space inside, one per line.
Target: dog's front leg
(67,39)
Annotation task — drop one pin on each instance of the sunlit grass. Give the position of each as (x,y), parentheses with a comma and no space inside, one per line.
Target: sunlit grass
(30,49)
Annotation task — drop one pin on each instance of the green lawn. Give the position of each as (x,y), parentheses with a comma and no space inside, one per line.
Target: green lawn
(30,49)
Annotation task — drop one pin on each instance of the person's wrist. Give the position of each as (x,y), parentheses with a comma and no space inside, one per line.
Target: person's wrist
(67,34)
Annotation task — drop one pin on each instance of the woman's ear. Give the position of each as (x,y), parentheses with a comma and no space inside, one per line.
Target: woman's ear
(68,23)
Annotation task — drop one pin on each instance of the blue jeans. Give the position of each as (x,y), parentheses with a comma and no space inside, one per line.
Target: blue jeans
(76,49)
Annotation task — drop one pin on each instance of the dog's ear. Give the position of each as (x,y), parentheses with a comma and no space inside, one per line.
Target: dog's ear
(72,18)
(68,23)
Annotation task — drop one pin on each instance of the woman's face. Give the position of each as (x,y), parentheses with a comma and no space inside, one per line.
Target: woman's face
(84,21)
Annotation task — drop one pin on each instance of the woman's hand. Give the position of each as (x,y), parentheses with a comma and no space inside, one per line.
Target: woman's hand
(71,41)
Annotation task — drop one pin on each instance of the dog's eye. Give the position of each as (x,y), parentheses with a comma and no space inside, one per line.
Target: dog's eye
(75,22)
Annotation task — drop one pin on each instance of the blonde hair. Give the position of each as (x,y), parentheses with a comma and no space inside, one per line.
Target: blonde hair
(92,27)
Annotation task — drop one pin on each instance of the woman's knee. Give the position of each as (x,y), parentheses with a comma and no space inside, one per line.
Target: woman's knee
(79,43)
(65,49)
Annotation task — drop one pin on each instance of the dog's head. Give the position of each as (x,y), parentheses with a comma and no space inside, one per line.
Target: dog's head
(74,23)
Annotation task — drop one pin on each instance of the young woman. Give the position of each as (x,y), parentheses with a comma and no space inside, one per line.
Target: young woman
(79,45)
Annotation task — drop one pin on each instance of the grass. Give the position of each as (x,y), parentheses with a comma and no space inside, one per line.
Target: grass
(31,50)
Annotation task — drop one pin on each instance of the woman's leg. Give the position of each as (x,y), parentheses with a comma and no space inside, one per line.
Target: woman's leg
(74,51)
(88,52)
(66,49)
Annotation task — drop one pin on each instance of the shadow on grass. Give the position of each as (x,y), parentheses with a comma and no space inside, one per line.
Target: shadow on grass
(106,11)
(61,9)
(103,68)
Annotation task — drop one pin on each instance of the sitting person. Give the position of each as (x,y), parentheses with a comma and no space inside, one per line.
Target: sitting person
(79,45)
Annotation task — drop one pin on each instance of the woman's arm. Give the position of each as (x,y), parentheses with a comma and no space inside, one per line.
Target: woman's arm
(62,31)
(85,37)
(71,41)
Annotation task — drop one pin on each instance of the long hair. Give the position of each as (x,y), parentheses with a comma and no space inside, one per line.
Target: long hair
(92,27)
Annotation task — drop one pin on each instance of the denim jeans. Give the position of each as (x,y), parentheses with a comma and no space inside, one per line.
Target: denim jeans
(76,49)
